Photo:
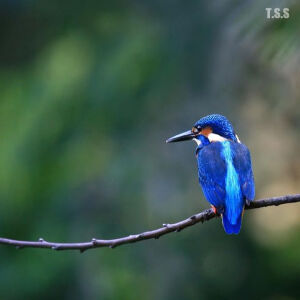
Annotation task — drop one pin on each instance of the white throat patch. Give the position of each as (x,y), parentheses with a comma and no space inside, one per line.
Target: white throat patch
(197,141)
(213,137)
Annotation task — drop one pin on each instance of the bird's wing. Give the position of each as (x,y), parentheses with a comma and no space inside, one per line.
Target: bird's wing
(212,170)
(212,173)
(242,163)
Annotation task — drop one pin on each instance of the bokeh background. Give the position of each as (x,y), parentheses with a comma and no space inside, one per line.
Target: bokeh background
(89,91)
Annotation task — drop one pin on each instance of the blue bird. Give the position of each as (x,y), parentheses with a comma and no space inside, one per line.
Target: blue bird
(224,168)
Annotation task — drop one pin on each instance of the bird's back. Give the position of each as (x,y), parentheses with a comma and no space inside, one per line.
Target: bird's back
(225,174)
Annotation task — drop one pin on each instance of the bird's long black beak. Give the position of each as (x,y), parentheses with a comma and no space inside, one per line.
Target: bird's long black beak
(188,135)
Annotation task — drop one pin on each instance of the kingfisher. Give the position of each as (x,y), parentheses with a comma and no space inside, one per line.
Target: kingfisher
(224,168)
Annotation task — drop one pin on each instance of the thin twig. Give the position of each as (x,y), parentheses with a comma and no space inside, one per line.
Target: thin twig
(154,234)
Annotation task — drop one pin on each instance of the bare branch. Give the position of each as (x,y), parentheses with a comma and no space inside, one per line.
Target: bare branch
(154,234)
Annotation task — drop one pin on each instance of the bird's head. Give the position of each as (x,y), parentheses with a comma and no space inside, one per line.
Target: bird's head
(214,127)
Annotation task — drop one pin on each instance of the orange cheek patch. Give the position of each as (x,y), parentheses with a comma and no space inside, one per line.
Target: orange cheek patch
(206,131)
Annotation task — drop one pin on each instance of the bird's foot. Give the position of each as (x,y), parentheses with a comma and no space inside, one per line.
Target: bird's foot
(217,211)
(214,209)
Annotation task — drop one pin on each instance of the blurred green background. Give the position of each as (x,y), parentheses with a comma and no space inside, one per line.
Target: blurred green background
(89,92)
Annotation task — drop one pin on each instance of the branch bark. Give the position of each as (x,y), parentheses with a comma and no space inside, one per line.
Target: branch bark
(154,234)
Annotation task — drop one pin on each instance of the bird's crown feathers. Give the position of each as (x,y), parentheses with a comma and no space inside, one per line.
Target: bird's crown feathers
(219,125)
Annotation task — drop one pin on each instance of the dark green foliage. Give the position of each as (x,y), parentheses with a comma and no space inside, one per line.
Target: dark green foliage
(89,93)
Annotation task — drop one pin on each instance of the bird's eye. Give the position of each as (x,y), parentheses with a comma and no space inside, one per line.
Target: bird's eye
(195,130)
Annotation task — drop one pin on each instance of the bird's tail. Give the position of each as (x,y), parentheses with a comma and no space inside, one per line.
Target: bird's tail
(229,226)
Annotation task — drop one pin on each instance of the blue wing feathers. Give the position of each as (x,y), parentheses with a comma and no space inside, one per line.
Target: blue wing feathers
(226,177)
(242,163)
(212,172)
